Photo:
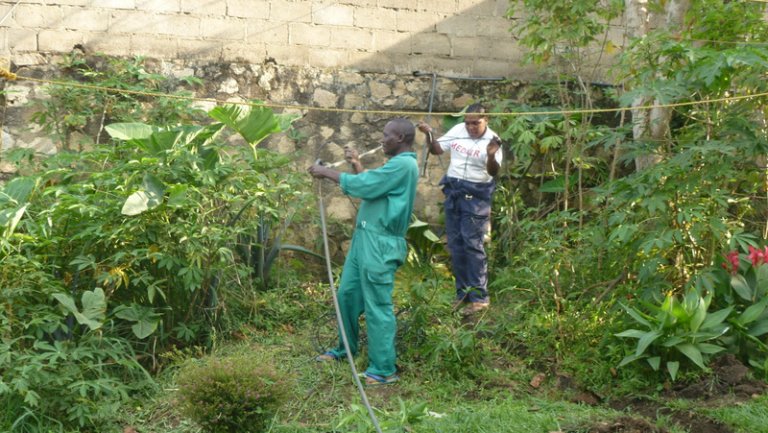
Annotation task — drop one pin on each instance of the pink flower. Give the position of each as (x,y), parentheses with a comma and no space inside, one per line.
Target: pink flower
(733,260)
(756,256)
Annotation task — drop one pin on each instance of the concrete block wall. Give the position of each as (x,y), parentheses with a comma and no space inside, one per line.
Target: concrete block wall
(456,37)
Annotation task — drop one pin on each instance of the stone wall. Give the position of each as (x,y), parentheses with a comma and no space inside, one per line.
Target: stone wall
(337,108)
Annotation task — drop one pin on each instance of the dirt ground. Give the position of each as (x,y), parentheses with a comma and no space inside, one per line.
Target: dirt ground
(729,384)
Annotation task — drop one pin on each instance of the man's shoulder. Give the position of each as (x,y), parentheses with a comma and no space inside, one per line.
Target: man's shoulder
(404,158)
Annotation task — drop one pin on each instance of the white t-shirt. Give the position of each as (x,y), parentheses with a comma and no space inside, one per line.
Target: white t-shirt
(468,155)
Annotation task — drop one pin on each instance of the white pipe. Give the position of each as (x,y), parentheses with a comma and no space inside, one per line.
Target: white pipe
(366,153)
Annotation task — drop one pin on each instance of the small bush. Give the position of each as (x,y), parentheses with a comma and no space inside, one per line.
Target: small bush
(232,394)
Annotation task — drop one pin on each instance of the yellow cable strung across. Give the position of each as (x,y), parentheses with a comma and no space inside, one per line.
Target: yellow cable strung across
(8,75)
(4,73)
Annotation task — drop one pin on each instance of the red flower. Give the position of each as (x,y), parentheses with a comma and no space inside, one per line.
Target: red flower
(733,260)
(756,256)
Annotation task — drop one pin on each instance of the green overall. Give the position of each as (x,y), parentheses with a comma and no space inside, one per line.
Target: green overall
(378,248)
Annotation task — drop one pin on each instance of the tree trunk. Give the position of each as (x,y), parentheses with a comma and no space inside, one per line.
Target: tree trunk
(651,124)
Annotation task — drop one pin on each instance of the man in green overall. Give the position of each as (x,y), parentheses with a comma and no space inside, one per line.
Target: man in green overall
(378,247)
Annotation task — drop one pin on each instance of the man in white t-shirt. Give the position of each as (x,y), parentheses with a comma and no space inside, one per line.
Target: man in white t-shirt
(468,185)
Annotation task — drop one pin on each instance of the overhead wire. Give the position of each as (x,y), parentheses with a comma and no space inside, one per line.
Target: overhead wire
(5,73)
(9,12)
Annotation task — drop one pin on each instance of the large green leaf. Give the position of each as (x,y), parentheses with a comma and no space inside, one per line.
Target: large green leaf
(18,190)
(699,314)
(762,281)
(714,319)
(254,124)
(693,353)
(752,313)
(709,349)
(741,287)
(654,362)
(10,219)
(94,307)
(637,315)
(177,195)
(672,368)
(759,329)
(145,318)
(629,358)
(632,333)
(129,131)
(150,197)
(136,203)
(645,341)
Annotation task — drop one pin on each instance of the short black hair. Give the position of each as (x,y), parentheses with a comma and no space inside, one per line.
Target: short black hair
(476,108)
(405,127)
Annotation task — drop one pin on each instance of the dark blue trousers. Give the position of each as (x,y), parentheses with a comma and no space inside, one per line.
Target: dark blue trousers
(467,215)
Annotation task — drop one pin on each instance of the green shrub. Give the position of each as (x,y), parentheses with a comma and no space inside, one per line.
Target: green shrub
(232,394)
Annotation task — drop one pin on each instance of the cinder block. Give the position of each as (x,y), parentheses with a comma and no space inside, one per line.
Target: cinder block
(392,42)
(507,49)
(10,20)
(409,21)
(375,18)
(29,59)
(114,4)
(59,40)
(444,66)
(35,16)
(351,38)
(21,40)
(159,5)
(492,68)
(442,6)
(266,31)
(116,45)
(153,46)
(359,3)
(333,14)
(431,44)
(378,62)
(471,47)
(461,25)
(227,28)
(476,7)
(495,27)
(251,53)
(133,22)
(248,8)
(96,20)
(193,49)
(179,25)
(304,34)
(72,3)
(204,7)
(291,11)
(404,5)
(289,54)
(327,58)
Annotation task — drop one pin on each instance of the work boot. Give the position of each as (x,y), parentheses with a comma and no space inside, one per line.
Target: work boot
(475,307)
(458,303)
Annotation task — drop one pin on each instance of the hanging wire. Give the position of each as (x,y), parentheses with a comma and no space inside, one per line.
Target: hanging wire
(4,73)
(9,12)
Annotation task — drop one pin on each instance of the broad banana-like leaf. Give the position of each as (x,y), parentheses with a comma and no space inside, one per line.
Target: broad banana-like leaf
(129,131)
(94,307)
(254,124)
(149,197)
